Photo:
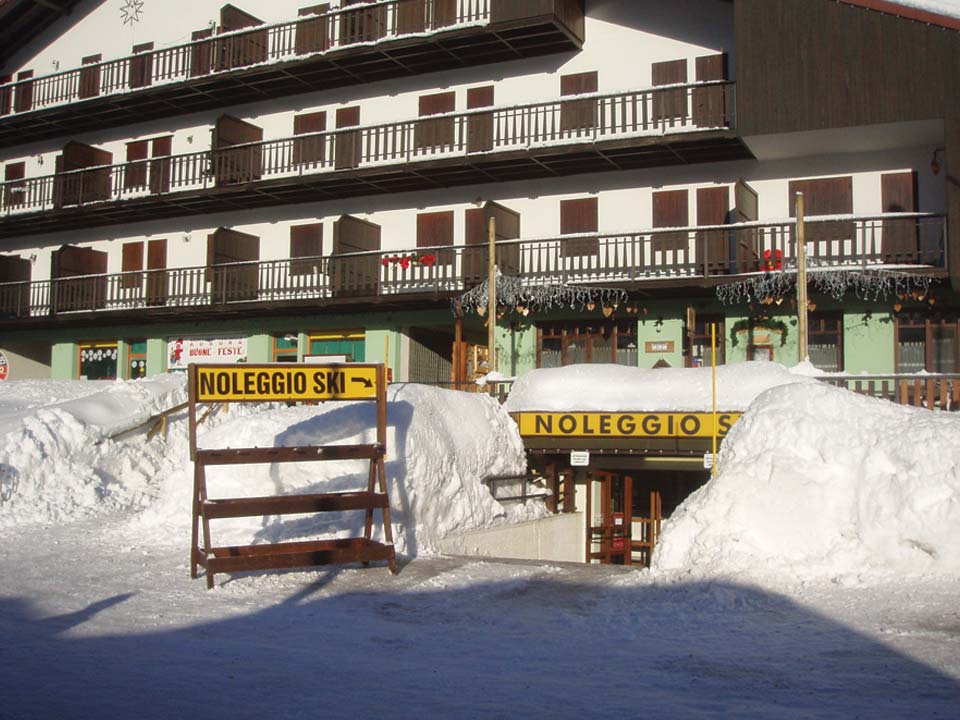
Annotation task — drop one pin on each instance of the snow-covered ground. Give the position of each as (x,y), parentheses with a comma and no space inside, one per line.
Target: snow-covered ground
(816,576)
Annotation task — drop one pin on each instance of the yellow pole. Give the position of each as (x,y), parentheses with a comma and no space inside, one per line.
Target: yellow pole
(386,354)
(713,372)
(492,300)
(801,281)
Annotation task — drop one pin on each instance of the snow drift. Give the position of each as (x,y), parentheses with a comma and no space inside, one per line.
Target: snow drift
(59,463)
(816,480)
(615,388)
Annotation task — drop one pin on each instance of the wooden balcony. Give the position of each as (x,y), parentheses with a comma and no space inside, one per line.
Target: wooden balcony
(356,44)
(587,133)
(680,259)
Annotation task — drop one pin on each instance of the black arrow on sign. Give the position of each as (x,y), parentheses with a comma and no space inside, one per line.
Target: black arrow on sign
(366,382)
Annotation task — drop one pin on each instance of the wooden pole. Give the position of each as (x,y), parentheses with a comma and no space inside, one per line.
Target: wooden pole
(459,376)
(492,301)
(801,282)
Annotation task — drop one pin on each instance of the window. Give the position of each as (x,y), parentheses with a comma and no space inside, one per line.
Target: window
(309,150)
(825,342)
(435,134)
(98,361)
(136,359)
(347,345)
(573,344)
(701,343)
(285,347)
(435,229)
(927,345)
(131,263)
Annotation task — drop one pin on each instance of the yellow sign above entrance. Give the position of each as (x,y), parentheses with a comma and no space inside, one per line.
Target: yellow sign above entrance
(624,425)
(285,382)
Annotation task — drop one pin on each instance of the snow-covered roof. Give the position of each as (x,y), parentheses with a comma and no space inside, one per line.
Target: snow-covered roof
(945,13)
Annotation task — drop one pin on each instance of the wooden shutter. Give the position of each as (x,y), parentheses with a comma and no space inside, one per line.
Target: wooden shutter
(435,229)
(90,77)
(362,24)
(240,165)
(81,293)
(77,188)
(347,144)
(244,49)
(824,196)
(131,264)
(746,250)
(578,116)
(309,150)
(160,149)
(14,192)
(140,72)
(23,95)
(236,282)
(201,55)
(6,94)
(475,254)
(135,174)
(713,246)
(439,133)
(670,209)
(710,103)
(898,193)
(156,271)
(412,16)
(670,106)
(15,300)
(312,35)
(578,216)
(355,276)
(306,241)
(480,126)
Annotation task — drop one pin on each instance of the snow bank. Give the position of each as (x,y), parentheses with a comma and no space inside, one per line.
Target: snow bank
(440,445)
(57,461)
(615,388)
(819,481)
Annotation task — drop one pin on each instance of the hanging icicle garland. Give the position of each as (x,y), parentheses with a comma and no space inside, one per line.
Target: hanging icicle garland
(513,296)
(865,284)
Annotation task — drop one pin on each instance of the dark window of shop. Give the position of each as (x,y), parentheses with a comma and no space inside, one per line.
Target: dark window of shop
(136,359)
(701,342)
(825,342)
(285,348)
(927,345)
(574,344)
(98,361)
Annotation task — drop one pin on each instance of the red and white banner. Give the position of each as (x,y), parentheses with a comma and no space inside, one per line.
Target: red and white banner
(3,366)
(183,351)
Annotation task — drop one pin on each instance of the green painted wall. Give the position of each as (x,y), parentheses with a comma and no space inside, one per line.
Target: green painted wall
(661,325)
(516,350)
(260,348)
(63,361)
(156,356)
(385,346)
(868,342)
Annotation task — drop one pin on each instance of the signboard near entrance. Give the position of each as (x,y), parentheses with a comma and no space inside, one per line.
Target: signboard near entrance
(267,383)
(4,365)
(183,351)
(579,458)
(627,425)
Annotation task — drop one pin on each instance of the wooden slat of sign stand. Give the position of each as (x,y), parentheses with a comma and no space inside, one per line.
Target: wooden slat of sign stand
(295,554)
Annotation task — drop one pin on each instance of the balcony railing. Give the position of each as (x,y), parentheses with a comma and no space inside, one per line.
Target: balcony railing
(476,134)
(936,391)
(238,49)
(674,255)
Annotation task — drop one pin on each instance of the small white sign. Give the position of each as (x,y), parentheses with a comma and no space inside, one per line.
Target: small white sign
(579,458)
(708,461)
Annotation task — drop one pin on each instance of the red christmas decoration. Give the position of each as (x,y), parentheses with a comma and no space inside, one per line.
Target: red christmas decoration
(772,261)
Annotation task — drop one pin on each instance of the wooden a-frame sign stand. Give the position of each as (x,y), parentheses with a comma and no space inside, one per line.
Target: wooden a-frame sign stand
(288,382)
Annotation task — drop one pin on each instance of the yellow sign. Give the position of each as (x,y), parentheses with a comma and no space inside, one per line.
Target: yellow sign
(283,382)
(618,425)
